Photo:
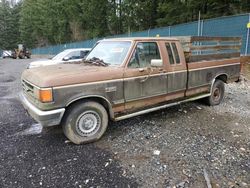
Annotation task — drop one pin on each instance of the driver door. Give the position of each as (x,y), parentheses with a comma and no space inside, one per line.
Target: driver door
(141,81)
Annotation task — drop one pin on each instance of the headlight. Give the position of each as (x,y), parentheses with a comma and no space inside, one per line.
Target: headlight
(44,95)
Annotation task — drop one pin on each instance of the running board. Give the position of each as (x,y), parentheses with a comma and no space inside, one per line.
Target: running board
(160,107)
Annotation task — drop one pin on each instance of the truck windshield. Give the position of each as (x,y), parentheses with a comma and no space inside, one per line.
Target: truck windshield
(111,52)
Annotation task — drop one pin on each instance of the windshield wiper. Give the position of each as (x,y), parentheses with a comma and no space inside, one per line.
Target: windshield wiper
(96,61)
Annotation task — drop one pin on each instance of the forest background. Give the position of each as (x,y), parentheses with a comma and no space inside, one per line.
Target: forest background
(39,23)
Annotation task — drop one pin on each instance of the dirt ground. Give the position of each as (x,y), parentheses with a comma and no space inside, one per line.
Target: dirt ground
(177,147)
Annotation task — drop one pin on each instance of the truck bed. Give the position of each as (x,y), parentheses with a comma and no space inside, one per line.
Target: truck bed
(207,57)
(203,48)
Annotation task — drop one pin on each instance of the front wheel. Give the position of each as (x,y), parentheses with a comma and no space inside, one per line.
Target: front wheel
(85,122)
(217,93)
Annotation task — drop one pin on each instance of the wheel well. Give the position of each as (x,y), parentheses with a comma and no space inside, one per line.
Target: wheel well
(99,100)
(222,77)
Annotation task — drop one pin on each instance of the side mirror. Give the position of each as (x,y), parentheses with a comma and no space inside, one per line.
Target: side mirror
(156,63)
(66,58)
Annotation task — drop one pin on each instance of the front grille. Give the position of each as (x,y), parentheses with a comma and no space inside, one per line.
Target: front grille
(28,88)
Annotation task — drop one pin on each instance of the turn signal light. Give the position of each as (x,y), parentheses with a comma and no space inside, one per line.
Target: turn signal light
(45,95)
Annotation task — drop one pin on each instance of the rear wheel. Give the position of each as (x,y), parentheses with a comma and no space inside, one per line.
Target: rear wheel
(85,122)
(217,94)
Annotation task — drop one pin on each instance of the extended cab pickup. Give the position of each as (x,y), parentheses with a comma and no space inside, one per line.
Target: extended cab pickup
(122,78)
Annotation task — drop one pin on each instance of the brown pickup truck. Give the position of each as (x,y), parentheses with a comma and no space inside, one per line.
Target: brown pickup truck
(123,78)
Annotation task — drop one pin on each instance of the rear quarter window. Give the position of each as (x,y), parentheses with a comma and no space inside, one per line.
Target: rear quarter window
(176,54)
(170,54)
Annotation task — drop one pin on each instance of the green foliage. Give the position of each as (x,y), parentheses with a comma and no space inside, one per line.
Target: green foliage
(172,12)
(95,15)
(139,15)
(9,26)
(44,22)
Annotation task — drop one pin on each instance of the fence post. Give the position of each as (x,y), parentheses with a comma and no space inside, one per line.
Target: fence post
(169,31)
(202,25)
(246,49)
(201,32)
(199,23)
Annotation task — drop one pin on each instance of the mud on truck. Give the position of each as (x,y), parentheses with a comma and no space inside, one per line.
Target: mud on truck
(127,77)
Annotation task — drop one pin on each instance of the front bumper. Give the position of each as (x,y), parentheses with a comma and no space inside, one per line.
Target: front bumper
(45,118)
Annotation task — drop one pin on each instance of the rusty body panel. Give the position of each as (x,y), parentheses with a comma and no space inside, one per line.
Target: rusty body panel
(204,76)
(145,102)
(123,89)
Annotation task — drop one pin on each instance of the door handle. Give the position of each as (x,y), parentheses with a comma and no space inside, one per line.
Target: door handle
(146,78)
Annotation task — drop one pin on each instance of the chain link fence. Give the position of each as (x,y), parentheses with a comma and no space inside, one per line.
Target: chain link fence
(222,26)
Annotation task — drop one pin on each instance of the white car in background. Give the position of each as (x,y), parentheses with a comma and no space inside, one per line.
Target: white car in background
(69,55)
(7,54)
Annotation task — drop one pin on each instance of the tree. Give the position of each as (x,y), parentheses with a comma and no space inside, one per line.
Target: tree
(95,17)
(46,22)
(9,26)
(32,23)
(172,12)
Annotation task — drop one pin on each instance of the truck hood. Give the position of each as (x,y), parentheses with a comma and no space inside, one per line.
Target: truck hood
(67,74)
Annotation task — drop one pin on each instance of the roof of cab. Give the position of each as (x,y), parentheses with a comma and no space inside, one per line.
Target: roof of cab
(141,39)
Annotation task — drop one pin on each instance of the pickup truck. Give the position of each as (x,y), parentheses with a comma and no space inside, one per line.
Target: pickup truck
(127,77)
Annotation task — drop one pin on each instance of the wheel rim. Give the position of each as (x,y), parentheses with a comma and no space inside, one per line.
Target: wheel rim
(216,94)
(88,123)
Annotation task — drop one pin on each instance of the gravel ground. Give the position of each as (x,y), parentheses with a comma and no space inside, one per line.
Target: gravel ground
(177,147)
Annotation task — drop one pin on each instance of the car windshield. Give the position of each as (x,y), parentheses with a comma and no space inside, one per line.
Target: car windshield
(110,52)
(61,55)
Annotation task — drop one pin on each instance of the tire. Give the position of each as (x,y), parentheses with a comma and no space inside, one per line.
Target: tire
(85,122)
(217,94)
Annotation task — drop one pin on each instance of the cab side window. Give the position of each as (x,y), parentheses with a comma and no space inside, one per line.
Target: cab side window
(143,54)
